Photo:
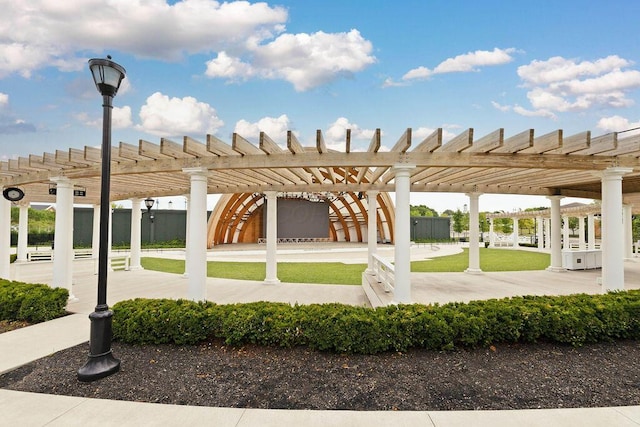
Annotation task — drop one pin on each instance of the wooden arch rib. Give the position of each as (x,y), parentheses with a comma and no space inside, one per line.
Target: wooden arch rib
(333,234)
(231,210)
(238,221)
(345,226)
(384,204)
(353,215)
(221,223)
(247,225)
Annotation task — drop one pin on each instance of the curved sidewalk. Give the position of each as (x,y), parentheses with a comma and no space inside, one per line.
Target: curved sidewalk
(27,344)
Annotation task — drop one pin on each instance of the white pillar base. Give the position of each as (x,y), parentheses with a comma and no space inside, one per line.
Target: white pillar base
(556,269)
(473,271)
(136,268)
(271,281)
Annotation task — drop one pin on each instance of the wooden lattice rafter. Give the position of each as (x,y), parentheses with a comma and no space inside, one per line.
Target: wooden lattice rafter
(524,163)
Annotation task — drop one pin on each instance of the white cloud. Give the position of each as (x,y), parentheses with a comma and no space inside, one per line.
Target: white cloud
(248,38)
(275,127)
(40,33)
(559,69)
(479,58)
(389,82)
(164,116)
(533,113)
(227,67)
(418,73)
(564,85)
(304,60)
(465,63)
(4,100)
(498,106)
(616,124)
(418,134)
(121,117)
(335,135)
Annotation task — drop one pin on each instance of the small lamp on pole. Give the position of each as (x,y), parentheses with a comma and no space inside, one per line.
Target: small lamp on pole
(149,202)
(107,76)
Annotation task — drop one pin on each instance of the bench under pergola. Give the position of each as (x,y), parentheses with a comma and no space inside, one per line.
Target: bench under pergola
(605,167)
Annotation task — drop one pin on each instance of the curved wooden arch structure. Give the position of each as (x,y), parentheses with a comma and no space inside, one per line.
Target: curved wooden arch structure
(238,218)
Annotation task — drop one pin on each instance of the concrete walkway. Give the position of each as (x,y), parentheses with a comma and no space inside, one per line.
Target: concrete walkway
(25,345)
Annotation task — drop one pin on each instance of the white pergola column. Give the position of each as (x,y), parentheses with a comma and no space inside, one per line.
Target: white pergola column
(628,232)
(565,233)
(546,224)
(582,243)
(474,234)
(271,277)
(63,237)
(612,229)
(197,238)
(556,235)
(372,229)
(402,235)
(5,238)
(136,234)
(23,232)
(492,234)
(591,231)
(540,230)
(516,232)
(186,239)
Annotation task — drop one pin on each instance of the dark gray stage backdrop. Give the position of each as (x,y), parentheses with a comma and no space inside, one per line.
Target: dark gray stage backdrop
(298,218)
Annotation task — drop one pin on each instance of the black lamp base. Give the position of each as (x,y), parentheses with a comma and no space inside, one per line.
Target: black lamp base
(98,367)
(101,362)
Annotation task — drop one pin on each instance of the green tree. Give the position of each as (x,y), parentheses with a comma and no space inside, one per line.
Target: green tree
(527,225)
(573,224)
(503,225)
(460,221)
(40,221)
(422,210)
(484,222)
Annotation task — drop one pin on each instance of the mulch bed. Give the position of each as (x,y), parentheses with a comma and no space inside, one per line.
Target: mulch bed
(213,374)
(10,325)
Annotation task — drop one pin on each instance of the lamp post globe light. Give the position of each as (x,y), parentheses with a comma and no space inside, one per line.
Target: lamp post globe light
(107,76)
(148,202)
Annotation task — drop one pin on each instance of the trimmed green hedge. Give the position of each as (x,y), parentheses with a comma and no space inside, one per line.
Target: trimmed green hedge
(575,319)
(30,302)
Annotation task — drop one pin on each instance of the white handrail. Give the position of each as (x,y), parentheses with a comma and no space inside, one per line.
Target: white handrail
(384,272)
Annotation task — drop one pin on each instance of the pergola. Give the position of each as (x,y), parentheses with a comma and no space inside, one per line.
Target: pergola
(605,167)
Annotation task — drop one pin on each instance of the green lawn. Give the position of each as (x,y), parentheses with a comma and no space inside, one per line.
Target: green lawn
(296,272)
(350,274)
(490,260)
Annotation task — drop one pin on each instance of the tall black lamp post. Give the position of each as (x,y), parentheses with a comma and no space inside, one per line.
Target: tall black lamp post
(107,76)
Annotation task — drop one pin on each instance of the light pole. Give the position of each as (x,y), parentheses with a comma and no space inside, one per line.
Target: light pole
(149,202)
(107,76)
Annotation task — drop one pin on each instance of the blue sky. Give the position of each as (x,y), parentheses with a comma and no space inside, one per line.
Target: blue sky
(197,66)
